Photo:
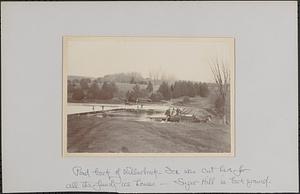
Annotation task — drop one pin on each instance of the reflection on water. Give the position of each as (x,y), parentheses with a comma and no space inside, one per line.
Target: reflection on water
(132,116)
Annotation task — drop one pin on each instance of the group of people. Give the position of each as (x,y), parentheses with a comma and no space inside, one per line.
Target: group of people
(171,112)
(174,114)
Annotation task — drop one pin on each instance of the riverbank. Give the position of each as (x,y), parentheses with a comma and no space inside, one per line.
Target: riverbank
(112,135)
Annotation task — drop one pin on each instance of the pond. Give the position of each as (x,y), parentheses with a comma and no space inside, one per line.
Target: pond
(133,116)
(73,108)
(148,112)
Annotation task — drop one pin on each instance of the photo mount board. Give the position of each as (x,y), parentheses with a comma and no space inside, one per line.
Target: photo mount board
(266,62)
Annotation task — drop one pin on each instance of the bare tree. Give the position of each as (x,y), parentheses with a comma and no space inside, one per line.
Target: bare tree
(155,75)
(150,74)
(221,75)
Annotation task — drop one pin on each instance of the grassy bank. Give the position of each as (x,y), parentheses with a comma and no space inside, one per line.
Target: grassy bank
(111,135)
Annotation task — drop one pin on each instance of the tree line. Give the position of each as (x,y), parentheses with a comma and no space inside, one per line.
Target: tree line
(166,91)
(85,88)
(88,89)
(182,88)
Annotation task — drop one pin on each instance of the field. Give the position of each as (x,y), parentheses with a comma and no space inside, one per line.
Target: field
(92,134)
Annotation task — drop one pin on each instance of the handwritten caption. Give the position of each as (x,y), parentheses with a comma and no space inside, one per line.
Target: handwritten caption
(104,179)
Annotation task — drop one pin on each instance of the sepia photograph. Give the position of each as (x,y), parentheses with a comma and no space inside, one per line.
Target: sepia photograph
(148,95)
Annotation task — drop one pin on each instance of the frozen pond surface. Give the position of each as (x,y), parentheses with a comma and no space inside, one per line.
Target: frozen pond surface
(128,112)
(73,108)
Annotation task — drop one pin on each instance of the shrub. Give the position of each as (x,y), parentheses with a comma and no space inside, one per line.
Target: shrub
(165,90)
(78,94)
(219,105)
(156,97)
(149,87)
(134,94)
(204,91)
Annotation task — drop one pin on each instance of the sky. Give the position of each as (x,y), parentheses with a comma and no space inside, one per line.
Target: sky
(177,57)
